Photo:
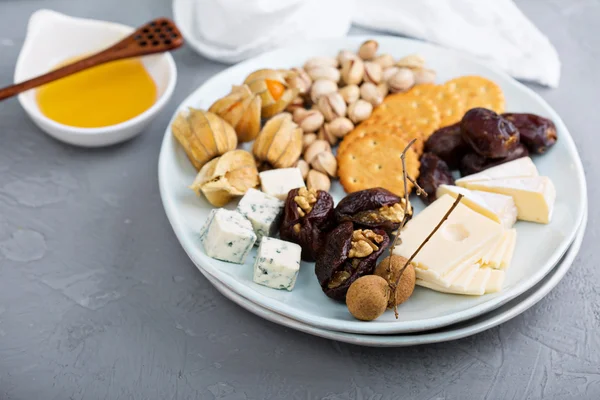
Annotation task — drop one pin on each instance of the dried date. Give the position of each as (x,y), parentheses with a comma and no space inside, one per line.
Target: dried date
(488,133)
(373,208)
(433,173)
(307,215)
(537,133)
(448,144)
(473,163)
(347,255)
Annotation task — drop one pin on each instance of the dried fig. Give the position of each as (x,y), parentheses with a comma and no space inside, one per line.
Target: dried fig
(273,88)
(473,162)
(537,133)
(307,214)
(433,173)
(347,255)
(226,177)
(372,208)
(488,133)
(447,143)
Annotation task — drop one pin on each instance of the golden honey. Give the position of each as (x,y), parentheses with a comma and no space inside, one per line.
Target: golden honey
(104,95)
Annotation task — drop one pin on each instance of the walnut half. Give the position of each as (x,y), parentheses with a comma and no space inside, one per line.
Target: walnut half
(364,243)
(305,199)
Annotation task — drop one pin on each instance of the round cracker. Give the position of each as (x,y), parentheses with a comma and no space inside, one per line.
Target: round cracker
(388,124)
(373,160)
(450,105)
(478,91)
(420,111)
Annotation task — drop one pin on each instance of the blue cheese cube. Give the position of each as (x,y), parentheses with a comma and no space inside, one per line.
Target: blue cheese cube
(227,235)
(277,263)
(263,211)
(278,182)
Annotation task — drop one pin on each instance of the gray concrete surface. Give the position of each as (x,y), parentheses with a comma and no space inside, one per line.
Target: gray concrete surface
(99,301)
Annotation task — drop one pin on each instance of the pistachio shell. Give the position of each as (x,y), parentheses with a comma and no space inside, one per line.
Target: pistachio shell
(226,177)
(241,108)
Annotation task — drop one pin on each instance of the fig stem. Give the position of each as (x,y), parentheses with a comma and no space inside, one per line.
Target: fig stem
(444,218)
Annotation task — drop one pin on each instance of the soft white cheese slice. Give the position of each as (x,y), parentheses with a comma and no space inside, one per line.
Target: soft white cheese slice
(278,182)
(462,235)
(475,287)
(495,282)
(446,279)
(497,207)
(534,197)
(506,259)
(521,167)
(494,255)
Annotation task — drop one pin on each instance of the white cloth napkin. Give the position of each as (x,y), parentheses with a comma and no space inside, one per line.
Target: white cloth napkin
(493,30)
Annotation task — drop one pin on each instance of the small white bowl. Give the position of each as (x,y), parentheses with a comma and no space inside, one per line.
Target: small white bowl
(53,38)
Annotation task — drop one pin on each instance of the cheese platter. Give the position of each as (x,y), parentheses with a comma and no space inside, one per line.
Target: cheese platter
(270,221)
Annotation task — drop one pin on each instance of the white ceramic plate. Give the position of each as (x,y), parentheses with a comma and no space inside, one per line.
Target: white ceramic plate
(453,332)
(538,250)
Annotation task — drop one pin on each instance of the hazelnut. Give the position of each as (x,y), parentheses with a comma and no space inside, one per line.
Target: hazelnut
(359,111)
(423,75)
(308,120)
(350,93)
(370,93)
(324,72)
(353,71)
(388,73)
(403,80)
(388,269)
(316,147)
(384,60)
(320,61)
(344,55)
(326,163)
(326,134)
(368,50)
(373,72)
(303,167)
(299,80)
(340,127)
(308,139)
(411,61)
(367,297)
(332,105)
(322,87)
(318,181)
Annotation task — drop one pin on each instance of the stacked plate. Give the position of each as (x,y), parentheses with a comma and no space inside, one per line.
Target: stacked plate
(543,254)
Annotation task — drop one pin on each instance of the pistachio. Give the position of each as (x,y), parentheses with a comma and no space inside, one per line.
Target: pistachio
(411,61)
(318,181)
(353,71)
(326,163)
(350,93)
(344,55)
(332,105)
(322,87)
(308,120)
(424,75)
(340,127)
(403,80)
(368,50)
(384,89)
(370,93)
(388,73)
(316,147)
(325,134)
(359,111)
(308,139)
(373,72)
(297,103)
(384,60)
(299,80)
(320,61)
(303,167)
(324,72)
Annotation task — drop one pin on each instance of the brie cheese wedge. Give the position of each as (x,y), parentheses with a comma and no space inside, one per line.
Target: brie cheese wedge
(533,196)
(521,167)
